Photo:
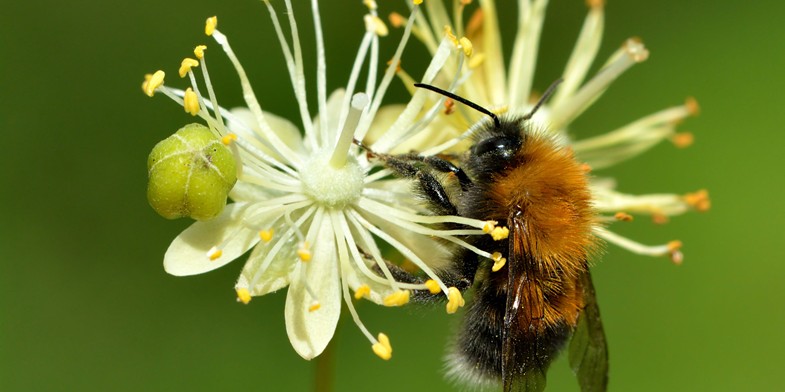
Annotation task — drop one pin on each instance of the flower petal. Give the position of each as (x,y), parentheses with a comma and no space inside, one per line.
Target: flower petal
(283,128)
(310,330)
(187,255)
(275,277)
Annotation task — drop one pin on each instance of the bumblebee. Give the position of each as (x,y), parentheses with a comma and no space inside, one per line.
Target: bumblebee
(524,312)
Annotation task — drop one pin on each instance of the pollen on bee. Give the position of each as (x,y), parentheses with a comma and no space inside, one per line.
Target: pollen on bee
(243,295)
(362,291)
(488,227)
(210,24)
(500,233)
(623,217)
(455,300)
(214,253)
(398,298)
(382,348)
(266,235)
(433,286)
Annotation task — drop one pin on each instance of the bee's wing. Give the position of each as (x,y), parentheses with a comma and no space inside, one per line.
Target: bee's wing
(588,353)
(522,369)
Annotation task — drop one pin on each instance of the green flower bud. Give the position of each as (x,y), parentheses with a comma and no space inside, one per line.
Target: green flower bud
(190,174)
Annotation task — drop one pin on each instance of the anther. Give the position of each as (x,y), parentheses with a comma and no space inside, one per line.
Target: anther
(398,298)
(314,306)
(266,235)
(382,347)
(417,2)
(186,65)
(623,217)
(500,233)
(363,291)
(210,24)
(152,82)
(455,300)
(699,200)
(371,4)
(449,106)
(498,261)
(243,295)
(228,139)
(659,219)
(467,46)
(214,253)
(199,51)
(595,3)
(692,106)
(191,102)
(674,247)
(303,253)
(375,24)
(683,139)
(433,286)
(636,50)
(396,19)
(489,226)
(451,36)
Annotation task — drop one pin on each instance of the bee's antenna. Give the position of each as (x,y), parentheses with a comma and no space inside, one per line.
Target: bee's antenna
(544,98)
(462,100)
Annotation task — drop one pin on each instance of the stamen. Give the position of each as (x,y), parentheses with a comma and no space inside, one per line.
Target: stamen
(672,249)
(382,347)
(191,102)
(243,295)
(416,2)
(304,253)
(266,235)
(314,306)
(699,200)
(455,300)
(659,219)
(186,65)
(500,233)
(498,261)
(210,24)
(433,286)
(152,82)
(341,151)
(199,51)
(675,249)
(371,4)
(467,46)
(214,253)
(396,20)
(692,106)
(398,298)
(363,291)
(228,139)
(375,24)
(623,217)
(683,139)
(449,106)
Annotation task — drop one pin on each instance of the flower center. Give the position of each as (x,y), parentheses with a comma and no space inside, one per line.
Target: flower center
(329,186)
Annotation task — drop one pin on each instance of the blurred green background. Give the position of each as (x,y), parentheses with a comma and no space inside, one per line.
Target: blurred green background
(85,303)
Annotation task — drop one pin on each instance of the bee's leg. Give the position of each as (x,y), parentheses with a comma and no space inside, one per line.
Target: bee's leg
(430,187)
(441,165)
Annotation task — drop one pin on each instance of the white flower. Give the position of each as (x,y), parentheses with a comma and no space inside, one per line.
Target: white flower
(310,206)
(502,87)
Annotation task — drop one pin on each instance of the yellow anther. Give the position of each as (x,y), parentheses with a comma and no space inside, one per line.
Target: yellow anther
(623,216)
(191,102)
(243,295)
(595,3)
(451,36)
(674,247)
(417,2)
(454,300)
(266,235)
(683,139)
(214,253)
(199,51)
(382,347)
(498,261)
(692,106)
(370,4)
(186,65)
(209,25)
(228,139)
(375,24)
(467,46)
(152,82)
(488,227)
(659,218)
(314,307)
(303,253)
(433,286)
(500,233)
(363,291)
(699,200)
(398,298)
(396,19)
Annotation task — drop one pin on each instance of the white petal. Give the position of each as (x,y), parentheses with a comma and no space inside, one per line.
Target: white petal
(275,277)
(310,331)
(187,255)
(285,129)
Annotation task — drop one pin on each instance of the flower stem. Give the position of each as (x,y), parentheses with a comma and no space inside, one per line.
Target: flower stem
(325,369)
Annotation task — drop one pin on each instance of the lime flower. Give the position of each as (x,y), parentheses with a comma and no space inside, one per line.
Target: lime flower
(309,205)
(507,88)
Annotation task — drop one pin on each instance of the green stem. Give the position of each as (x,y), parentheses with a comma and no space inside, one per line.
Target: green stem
(325,369)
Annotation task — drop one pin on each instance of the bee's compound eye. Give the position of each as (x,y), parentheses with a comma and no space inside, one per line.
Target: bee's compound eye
(500,146)
(190,174)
